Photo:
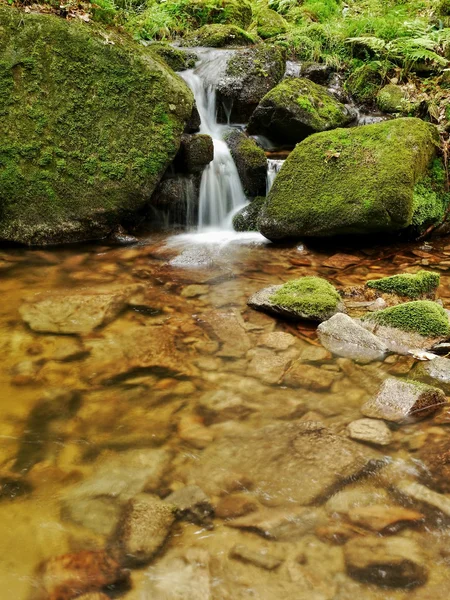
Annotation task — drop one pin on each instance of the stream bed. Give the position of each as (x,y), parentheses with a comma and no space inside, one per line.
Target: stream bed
(157,376)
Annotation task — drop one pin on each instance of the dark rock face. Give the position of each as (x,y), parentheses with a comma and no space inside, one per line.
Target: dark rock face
(250,74)
(196,151)
(247,218)
(177,197)
(251,163)
(107,122)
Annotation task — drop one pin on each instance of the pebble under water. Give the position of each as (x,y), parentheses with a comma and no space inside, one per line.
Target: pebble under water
(157,376)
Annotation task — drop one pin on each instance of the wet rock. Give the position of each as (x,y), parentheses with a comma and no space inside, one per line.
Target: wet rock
(99,514)
(192,431)
(195,153)
(75,313)
(94,596)
(120,237)
(356,497)
(422,284)
(388,562)
(435,455)
(384,519)
(194,290)
(192,504)
(401,400)
(246,219)
(12,487)
(251,162)
(345,337)
(435,372)
(145,525)
(228,328)
(369,377)
(310,377)
(398,341)
(261,559)
(277,340)
(371,431)
(312,353)
(235,505)
(177,197)
(223,405)
(278,459)
(279,524)
(69,349)
(71,575)
(267,365)
(422,494)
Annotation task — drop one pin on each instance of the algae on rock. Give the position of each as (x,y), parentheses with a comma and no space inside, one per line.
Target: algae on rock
(424,317)
(88,128)
(364,83)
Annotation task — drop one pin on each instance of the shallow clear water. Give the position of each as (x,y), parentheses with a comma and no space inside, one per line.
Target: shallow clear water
(206,383)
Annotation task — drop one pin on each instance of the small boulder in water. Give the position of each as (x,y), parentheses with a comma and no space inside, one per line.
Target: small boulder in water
(435,372)
(219,36)
(345,337)
(195,153)
(246,219)
(418,285)
(251,162)
(424,317)
(372,431)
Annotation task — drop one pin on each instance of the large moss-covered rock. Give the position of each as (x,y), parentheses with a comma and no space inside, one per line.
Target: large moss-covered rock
(270,23)
(364,83)
(249,75)
(351,181)
(251,162)
(296,108)
(203,12)
(178,60)
(87,128)
(219,36)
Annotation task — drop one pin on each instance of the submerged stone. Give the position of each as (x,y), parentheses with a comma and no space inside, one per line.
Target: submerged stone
(424,317)
(435,372)
(261,559)
(371,431)
(228,329)
(279,524)
(417,285)
(399,400)
(351,181)
(296,108)
(345,337)
(191,504)
(422,494)
(310,298)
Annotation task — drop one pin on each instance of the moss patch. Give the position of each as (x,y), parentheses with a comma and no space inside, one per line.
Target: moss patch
(311,296)
(422,316)
(219,36)
(364,83)
(412,286)
(391,99)
(178,60)
(270,24)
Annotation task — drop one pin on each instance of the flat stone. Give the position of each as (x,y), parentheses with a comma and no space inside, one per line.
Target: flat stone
(145,525)
(232,506)
(278,459)
(310,377)
(381,518)
(372,431)
(361,496)
(389,562)
(194,290)
(435,372)
(78,313)
(345,337)
(267,365)
(228,328)
(222,405)
(279,524)
(423,494)
(261,558)
(312,353)
(401,399)
(192,504)
(277,340)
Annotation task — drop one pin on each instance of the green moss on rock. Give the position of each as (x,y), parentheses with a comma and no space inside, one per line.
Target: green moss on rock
(296,108)
(422,316)
(364,83)
(270,24)
(416,285)
(312,296)
(351,181)
(219,36)
(251,162)
(178,60)
(391,99)
(204,12)
(247,218)
(87,128)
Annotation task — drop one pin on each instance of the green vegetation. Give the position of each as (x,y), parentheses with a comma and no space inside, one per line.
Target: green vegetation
(270,23)
(423,283)
(218,36)
(312,296)
(391,99)
(422,316)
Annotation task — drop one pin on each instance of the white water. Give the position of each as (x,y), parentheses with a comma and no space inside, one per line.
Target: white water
(221,192)
(273,168)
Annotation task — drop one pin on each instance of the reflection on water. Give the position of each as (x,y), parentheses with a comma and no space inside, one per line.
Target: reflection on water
(171,381)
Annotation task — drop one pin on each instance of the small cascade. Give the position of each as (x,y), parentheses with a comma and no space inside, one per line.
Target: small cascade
(221,191)
(273,168)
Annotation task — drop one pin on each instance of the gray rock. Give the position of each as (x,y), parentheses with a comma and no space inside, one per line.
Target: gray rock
(177,196)
(345,337)
(145,525)
(435,372)
(398,341)
(278,459)
(261,559)
(401,399)
(192,504)
(388,562)
(246,219)
(371,431)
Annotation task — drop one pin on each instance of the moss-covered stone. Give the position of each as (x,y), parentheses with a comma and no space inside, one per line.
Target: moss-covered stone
(364,83)
(178,60)
(196,151)
(417,285)
(251,162)
(392,99)
(204,12)
(247,218)
(270,24)
(359,181)
(296,108)
(219,36)
(311,296)
(86,131)
(250,74)
(422,316)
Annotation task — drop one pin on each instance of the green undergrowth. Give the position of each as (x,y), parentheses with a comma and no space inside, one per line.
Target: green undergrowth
(410,285)
(422,316)
(312,296)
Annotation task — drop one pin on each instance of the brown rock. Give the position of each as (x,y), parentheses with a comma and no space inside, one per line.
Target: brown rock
(310,377)
(279,524)
(228,328)
(260,558)
(235,505)
(277,340)
(435,454)
(372,431)
(267,365)
(381,518)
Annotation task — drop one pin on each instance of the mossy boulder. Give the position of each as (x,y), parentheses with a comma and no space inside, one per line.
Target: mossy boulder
(249,75)
(251,162)
(196,151)
(178,60)
(417,285)
(204,12)
(309,298)
(443,8)
(87,128)
(296,108)
(352,181)
(364,83)
(424,317)
(247,218)
(270,24)
(219,36)
(392,99)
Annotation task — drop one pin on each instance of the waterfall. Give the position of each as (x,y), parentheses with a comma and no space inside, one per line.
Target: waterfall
(221,191)
(273,168)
